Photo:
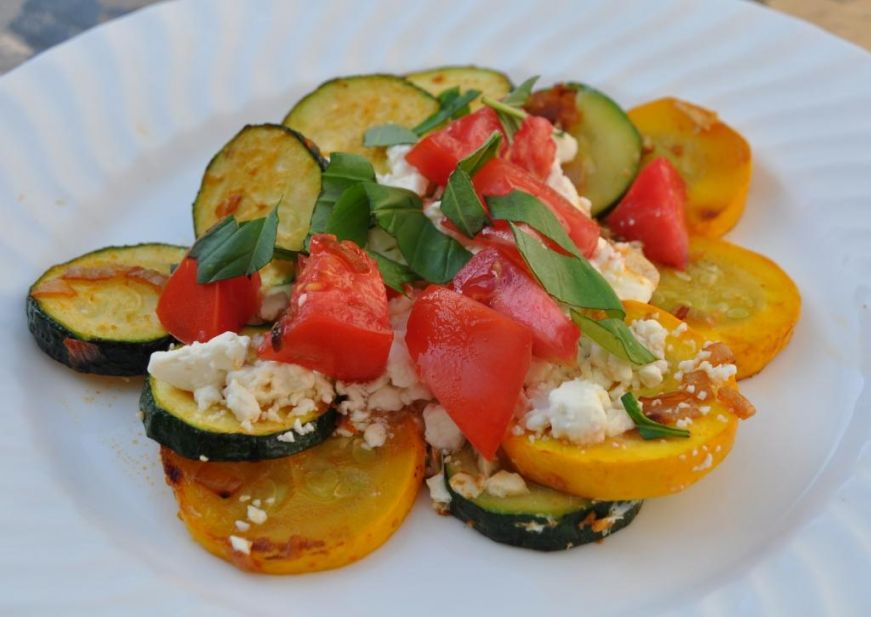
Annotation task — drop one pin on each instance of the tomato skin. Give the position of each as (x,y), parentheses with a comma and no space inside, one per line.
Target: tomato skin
(473,359)
(652,211)
(337,322)
(533,147)
(500,177)
(436,155)
(192,312)
(493,279)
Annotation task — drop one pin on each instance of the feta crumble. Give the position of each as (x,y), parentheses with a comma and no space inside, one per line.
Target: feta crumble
(256,515)
(566,150)
(626,269)
(440,430)
(402,174)
(505,484)
(438,492)
(241,545)
(375,435)
(200,365)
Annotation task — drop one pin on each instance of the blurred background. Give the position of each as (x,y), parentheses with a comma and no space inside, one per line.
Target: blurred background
(28,27)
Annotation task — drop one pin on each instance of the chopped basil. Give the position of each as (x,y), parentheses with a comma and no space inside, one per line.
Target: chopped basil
(510,117)
(461,205)
(520,207)
(567,278)
(343,171)
(349,219)
(518,96)
(395,274)
(388,135)
(229,249)
(615,337)
(647,428)
(434,256)
(482,155)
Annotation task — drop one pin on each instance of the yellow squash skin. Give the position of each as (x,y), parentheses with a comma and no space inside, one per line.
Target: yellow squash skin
(736,296)
(326,507)
(713,159)
(627,466)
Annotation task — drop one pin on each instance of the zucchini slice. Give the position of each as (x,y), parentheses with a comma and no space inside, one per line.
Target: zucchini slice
(339,111)
(490,82)
(543,519)
(263,166)
(609,145)
(96,313)
(172,419)
(323,508)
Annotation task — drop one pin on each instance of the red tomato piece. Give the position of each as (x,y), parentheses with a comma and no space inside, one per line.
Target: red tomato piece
(533,148)
(499,177)
(194,312)
(492,279)
(474,360)
(652,211)
(436,155)
(337,322)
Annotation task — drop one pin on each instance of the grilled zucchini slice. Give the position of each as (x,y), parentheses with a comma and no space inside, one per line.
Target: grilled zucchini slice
(263,166)
(609,145)
(172,418)
(96,313)
(543,519)
(339,111)
(490,82)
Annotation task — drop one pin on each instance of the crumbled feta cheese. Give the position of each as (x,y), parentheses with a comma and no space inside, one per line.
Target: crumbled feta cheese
(531,526)
(566,150)
(681,328)
(402,174)
(683,422)
(244,498)
(256,515)
(242,525)
(466,485)
(200,364)
(241,545)
(718,374)
(505,484)
(626,269)
(375,435)
(440,431)
(277,385)
(207,396)
(488,468)
(275,302)
(204,458)
(705,464)
(438,492)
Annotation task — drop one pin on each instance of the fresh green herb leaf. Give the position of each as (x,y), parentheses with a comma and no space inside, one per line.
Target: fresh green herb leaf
(482,154)
(343,171)
(461,205)
(520,207)
(647,428)
(615,337)
(349,219)
(567,278)
(518,96)
(450,107)
(434,256)
(395,274)
(510,117)
(388,135)
(230,250)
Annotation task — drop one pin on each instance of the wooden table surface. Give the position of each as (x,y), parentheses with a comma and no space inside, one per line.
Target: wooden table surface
(849,19)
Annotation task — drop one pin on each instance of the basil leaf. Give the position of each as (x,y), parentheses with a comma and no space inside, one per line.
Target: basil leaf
(567,278)
(615,337)
(520,207)
(483,154)
(434,256)
(232,250)
(450,106)
(647,428)
(395,274)
(461,205)
(349,219)
(343,171)
(388,135)
(509,116)
(518,96)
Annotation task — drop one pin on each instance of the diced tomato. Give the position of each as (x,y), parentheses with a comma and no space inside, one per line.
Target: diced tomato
(337,322)
(437,154)
(533,148)
(499,177)
(652,211)
(194,312)
(492,279)
(474,360)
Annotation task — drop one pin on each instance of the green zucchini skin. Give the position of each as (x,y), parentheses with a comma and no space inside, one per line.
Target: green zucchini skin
(191,442)
(492,83)
(537,531)
(100,357)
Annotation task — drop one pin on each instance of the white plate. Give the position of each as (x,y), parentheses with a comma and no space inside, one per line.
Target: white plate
(104,140)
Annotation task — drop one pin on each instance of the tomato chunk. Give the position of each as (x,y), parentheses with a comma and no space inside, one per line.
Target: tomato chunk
(500,177)
(533,147)
(474,360)
(437,154)
(493,279)
(194,312)
(652,211)
(337,322)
